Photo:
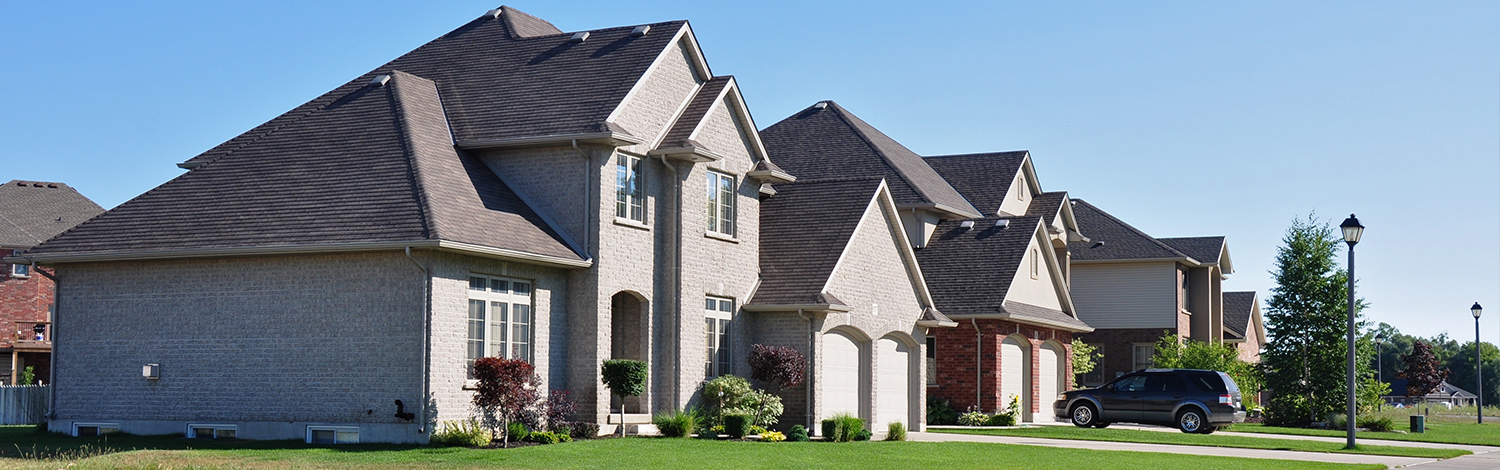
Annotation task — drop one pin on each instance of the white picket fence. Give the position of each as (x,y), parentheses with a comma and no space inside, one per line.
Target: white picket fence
(23,404)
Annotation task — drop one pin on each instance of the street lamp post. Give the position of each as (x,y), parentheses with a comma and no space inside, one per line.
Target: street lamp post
(1379,367)
(1478,365)
(1352,231)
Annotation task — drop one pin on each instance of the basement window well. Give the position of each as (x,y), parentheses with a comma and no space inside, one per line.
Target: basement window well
(94,429)
(333,434)
(210,431)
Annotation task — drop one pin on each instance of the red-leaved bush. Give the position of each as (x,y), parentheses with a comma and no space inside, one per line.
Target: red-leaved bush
(507,390)
(778,367)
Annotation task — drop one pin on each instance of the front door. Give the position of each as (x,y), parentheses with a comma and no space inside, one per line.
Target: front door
(1123,401)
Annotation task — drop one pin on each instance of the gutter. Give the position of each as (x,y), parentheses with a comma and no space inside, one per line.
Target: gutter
(676,284)
(426,339)
(618,139)
(1026,320)
(443,245)
(978,364)
(589,182)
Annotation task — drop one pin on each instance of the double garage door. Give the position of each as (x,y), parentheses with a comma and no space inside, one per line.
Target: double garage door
(846,379)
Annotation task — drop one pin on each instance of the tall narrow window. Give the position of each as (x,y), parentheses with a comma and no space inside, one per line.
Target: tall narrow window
(931,360)
(500,319)
(630,199)
(1036,257)
(718,312)
(720,203)
(1143,353)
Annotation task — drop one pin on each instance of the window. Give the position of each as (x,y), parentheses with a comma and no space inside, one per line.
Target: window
(1134,383)
(1142,355)
(211,431)
(1184,293)
(1036,255)
(630,202)
(20,270)
(720,203)
(500,319)
(1164,383)
(332,434)
(95,429)
(717,314)
(931,360)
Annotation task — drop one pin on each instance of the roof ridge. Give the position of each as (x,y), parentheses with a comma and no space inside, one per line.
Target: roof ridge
(409,144)
(976,154)
(1137,231)
(846,116)
(536,27)
(839,179)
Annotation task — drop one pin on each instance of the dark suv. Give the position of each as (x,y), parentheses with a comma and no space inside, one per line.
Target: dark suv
(1197,401)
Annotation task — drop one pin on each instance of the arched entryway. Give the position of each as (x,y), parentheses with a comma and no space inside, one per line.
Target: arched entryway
(1015,373)
(1050,376)
(844,376)
(629,339)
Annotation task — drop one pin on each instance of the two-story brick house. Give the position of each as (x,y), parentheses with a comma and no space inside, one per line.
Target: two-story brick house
(508,190)
(30,212)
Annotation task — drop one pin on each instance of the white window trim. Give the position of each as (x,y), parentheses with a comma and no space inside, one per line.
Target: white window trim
(336,429)
(511,299)
(712,367)
(715,218)
(115,426)
(1134,362)
(633,167)
(192,429)
(20,275)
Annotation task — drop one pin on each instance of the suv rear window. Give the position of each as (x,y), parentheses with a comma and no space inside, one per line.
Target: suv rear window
(1207,381)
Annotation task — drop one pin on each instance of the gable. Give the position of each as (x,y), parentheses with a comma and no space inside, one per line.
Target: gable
(725,134)
(661,94)
(1041,289)
(875,271)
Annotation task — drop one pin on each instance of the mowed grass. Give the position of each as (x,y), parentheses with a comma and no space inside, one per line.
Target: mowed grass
(176,452)
(1471,433)
(1208,440)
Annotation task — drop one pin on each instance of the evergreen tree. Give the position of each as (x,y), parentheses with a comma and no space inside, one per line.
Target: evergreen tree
(1306,317)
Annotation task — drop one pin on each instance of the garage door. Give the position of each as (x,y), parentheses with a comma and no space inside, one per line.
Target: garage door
(1049,361)
(1014,369)
(893,398)
(840,375)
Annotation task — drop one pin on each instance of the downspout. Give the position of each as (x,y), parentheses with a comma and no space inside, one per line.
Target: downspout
(812,341)
(676,283)
(588,216)
(978,364)
(426,340)
(52,358)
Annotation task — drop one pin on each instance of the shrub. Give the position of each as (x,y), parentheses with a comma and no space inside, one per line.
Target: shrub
(830,429)
(468,433)
(584,430)
(722,394)
(737,425)
(517,431)
(940,411)
(755,429)
(797,434)
(845,427)
(676,423)
(706,430)
(1001,419)
(764,408)
(861,435)
(895,431)
(545,437)
(1374,423)
(1013,410)
(973,418)
(560,406)
(625,378)
(507,391)
(780,368)
(772,436)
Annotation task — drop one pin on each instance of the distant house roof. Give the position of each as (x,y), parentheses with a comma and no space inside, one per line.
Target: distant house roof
(507,76)
(969,271)
(982,178)
(376,166)
(827,141)
(1444,390)
(1238,308)
(1113,239)
(1206,250)
(804,229)
(33,211)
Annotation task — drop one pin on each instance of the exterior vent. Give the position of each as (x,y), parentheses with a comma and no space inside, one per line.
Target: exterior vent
(493,14)
(821,105)
(1002,223)
(579,37)
(380,80)
(966,225)
(640,31)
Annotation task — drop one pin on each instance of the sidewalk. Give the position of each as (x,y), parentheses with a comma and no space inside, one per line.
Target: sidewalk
(1374,442)
(1389,461)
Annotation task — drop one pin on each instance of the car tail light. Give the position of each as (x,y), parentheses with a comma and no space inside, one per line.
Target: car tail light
(1226,399)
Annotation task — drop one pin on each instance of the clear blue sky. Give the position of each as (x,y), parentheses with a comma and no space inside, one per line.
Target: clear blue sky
(1190,118)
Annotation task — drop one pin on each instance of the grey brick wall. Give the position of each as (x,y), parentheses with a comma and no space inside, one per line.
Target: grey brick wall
(651,109)
(312,338)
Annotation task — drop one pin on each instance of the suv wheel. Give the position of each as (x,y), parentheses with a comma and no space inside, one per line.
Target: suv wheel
(1191,421)
(1083,415)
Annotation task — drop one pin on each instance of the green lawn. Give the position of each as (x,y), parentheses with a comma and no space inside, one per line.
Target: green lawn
(1447,432)
(176,452)
(1158,437)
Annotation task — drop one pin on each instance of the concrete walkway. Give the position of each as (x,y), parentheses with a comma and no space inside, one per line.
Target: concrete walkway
(1388,461)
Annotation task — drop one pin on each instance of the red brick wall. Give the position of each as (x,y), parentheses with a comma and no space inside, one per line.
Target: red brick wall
(956,363)
(1116,346)
(21,299)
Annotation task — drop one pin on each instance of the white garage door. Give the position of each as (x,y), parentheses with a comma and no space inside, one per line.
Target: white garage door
(1048,379)
(840,375)
(893,398)
(1014,369)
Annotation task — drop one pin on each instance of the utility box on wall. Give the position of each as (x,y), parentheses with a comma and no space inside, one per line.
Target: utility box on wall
(151,371)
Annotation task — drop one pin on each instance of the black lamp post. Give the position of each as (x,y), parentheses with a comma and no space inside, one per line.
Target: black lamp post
(1352,231)
(1478,364)
(1379,367)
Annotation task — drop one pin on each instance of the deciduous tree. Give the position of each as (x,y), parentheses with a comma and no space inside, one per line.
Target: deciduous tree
(507,389)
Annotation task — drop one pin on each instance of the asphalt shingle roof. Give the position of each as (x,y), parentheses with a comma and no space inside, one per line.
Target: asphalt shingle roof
(803,231)
(696,110)
(512,76)
(969,271)
(1113,239)
(33,211)
(1047,205)
(831,142)
(375,165)
(1238,306)
(1204,249)
(982,178)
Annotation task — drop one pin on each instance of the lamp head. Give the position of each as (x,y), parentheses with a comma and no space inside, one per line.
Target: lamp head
(1476,310)
(1352,230)
(1379,338)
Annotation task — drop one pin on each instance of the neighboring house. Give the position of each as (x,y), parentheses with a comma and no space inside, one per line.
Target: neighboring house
(1445,394)
(1133,288)
(1243,327)
(30,212)
(508,190)
(991,245)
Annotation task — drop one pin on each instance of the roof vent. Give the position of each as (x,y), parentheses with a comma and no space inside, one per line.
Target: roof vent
(493,13)
(1002,223)
(640,30)
(821,105)
(578,37)
(380,80)
(966,225)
